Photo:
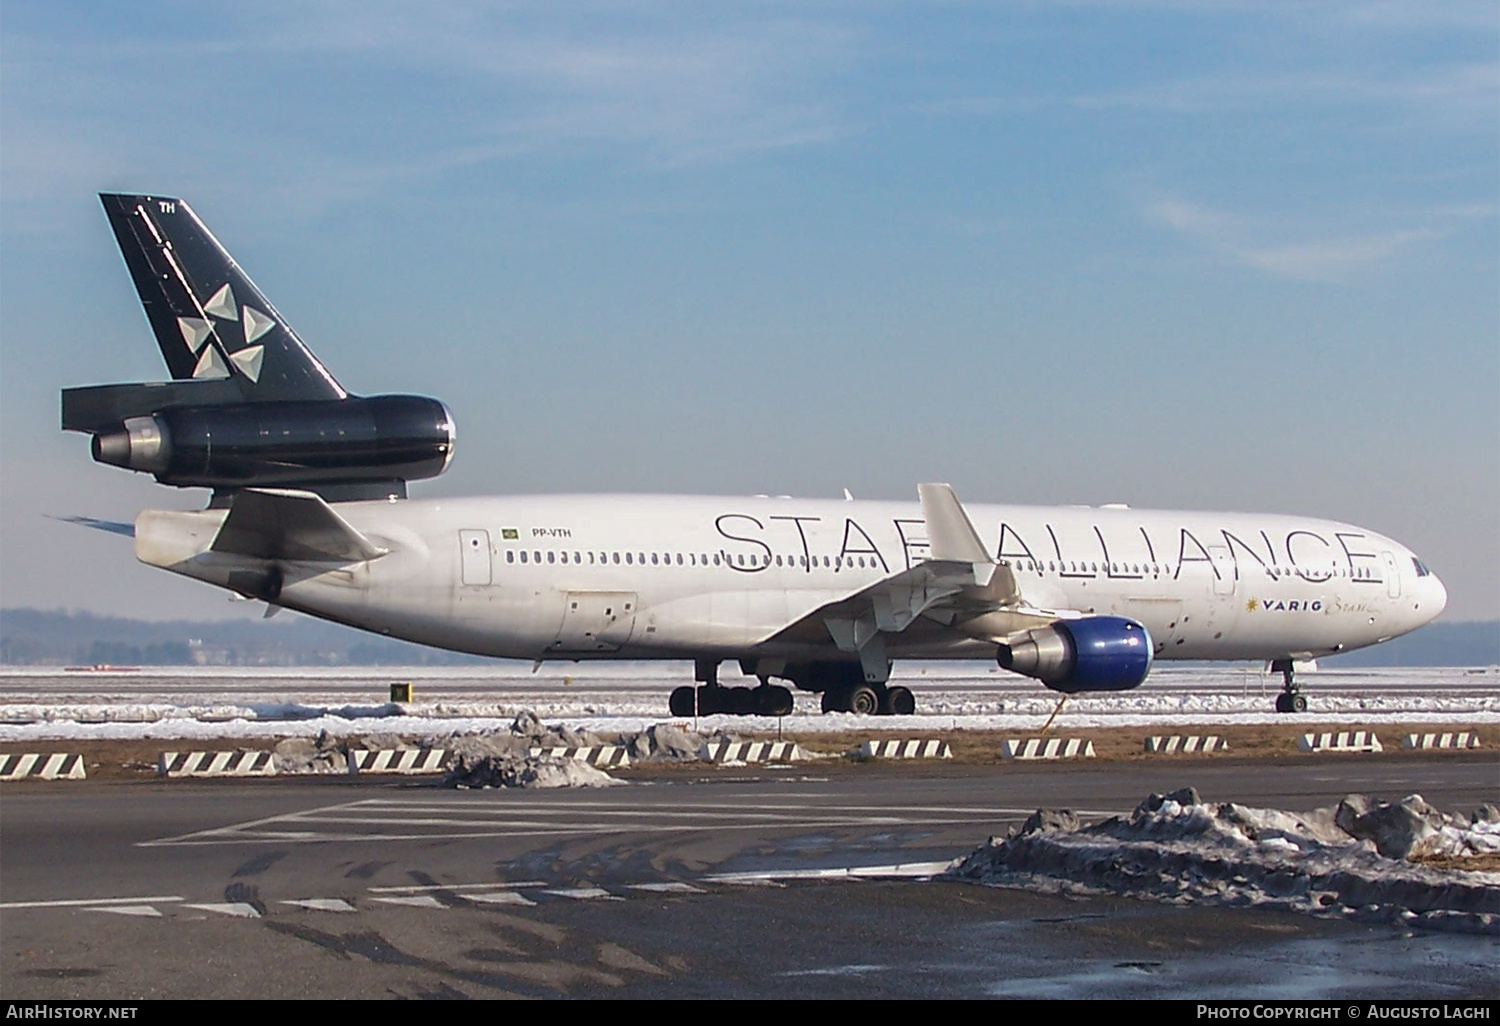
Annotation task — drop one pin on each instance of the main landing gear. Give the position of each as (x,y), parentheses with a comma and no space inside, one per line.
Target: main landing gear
(708,699)
(842,685)
(1291,698)
(869,699)
(711,697)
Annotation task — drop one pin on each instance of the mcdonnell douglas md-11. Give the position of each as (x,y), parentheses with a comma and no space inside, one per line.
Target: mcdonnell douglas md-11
(309,511)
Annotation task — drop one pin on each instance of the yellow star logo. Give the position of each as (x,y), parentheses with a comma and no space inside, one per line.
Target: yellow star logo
(1253,605)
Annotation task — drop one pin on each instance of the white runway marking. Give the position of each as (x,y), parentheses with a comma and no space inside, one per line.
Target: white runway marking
(322,904)
(582,893)
(128,910)
(237,909)
(499,898)
(386,819)
(94,902)
(421,888)
(899,871)
(412,901)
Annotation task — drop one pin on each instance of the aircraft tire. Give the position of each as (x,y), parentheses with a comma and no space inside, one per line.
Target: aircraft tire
(863,701)
(742,701)
(898,701)
(681,701)
(1299,703)
(836,699)
(712,700)
(772,700)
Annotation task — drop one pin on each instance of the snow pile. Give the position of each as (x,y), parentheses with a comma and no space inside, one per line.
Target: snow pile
(512,770)
(311,755)
(504,759)
(1347,860)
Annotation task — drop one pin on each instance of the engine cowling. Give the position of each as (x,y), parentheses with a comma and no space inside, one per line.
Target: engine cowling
(1096,653)
(398,437)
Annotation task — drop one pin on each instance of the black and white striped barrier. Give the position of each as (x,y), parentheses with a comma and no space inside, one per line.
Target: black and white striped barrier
(752,751)
(396,760)
(601,756)
(1460,740)
(1047,748)
(914,749)
(41,767)
(1185,744)
(216,764)
(1342,741)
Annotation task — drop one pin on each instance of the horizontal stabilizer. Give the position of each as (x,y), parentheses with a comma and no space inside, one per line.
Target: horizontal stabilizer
(96,409)
(284,524)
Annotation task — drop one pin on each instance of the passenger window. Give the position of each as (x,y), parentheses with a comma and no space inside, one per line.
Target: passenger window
(552,557)
(510,555)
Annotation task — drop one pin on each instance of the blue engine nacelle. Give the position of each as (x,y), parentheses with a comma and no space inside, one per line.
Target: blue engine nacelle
(1097,653)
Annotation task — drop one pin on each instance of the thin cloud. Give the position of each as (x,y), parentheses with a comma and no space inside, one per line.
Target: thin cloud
(1329,259)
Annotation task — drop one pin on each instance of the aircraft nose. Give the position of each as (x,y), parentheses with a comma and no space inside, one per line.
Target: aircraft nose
(1438,600)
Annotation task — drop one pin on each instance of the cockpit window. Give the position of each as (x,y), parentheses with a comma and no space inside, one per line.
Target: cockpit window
(1422,570)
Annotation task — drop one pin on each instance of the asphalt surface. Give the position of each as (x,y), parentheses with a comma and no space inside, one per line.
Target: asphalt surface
(712,884)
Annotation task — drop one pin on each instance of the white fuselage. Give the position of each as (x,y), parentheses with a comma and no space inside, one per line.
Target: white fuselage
(667,577)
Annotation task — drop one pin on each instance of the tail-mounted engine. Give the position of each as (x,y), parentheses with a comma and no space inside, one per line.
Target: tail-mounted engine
(346,448)
(1096,653)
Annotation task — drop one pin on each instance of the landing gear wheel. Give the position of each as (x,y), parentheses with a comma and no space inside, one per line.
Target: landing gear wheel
(863,701)
(712,700)
(1291,698)
(898,701)
(835,699)
(681,703)
(772,700)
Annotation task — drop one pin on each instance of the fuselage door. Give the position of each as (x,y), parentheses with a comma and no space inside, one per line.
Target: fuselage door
(595,621)
(1224,570)
(474,557)
(1392,575)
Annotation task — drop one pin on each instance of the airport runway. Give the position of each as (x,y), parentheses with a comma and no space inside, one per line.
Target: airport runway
(701,883)
(705,886)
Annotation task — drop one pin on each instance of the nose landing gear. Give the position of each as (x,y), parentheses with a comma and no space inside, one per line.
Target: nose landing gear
(1291,699)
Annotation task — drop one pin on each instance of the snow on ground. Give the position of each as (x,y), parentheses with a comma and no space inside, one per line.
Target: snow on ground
(222,702)
(1345,861)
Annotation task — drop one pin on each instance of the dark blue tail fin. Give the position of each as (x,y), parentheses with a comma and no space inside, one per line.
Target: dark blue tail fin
(210,320)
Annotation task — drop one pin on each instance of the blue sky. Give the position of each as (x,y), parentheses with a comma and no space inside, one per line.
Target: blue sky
(1204,255)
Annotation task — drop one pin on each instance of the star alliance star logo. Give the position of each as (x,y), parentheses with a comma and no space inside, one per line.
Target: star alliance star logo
(202,334)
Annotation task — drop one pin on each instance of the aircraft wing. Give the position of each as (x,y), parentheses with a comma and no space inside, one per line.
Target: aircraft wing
(958,585)
(280,523)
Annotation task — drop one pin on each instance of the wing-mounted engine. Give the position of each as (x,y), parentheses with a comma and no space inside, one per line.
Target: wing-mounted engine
(1095,653)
